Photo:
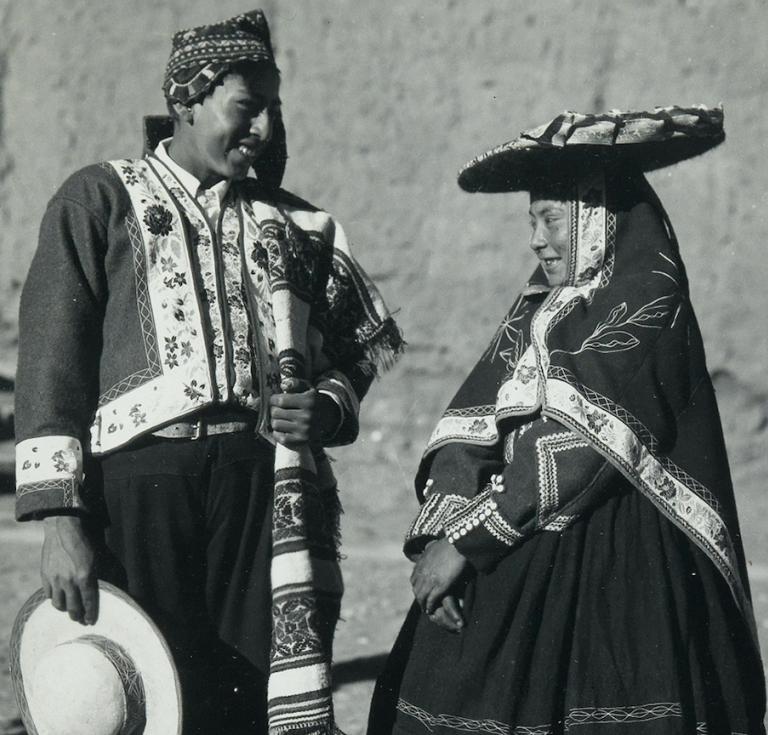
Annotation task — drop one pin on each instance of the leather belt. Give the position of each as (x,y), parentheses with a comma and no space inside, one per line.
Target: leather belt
(203,427)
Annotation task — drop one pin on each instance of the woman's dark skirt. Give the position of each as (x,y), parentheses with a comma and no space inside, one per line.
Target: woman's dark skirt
(617,625)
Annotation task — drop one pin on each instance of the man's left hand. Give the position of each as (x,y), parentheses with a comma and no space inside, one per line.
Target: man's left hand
(300,418)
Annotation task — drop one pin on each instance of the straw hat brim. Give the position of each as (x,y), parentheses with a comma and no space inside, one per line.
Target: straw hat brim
(39,627)
(563,147)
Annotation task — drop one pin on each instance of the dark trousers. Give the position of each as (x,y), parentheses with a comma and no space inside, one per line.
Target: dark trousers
(188,537)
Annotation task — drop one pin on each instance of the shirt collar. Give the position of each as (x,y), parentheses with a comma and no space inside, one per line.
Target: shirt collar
(189,181)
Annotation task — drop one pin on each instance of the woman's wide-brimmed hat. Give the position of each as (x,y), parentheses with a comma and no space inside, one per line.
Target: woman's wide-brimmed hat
(115,677)
(572,141)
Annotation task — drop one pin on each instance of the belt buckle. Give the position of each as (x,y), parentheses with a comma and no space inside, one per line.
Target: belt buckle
(198,429)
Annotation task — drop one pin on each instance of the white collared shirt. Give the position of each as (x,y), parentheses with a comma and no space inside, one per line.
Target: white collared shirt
(209,199)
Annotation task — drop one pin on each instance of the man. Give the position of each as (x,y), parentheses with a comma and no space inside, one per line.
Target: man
(181,316)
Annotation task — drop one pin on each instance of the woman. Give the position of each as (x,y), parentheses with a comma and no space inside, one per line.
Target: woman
(579,564)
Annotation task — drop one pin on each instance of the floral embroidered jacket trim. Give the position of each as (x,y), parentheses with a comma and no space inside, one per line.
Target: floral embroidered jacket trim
(135,314)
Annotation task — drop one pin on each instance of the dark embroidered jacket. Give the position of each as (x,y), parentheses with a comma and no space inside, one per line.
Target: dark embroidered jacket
(135,314)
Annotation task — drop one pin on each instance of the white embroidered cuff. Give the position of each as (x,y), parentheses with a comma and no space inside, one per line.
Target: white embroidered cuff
(49,473)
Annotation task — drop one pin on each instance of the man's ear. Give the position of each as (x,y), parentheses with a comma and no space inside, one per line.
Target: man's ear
(183,112)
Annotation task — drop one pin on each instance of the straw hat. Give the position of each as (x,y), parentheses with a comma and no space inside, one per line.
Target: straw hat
(115,677)
(645,140)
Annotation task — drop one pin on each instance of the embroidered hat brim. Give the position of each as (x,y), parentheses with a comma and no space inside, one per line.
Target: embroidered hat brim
(573,141)
(39,628)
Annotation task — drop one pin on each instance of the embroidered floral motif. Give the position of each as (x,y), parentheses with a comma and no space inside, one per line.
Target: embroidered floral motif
(168,264)
(666,488)
(526,374)
(178,279)
(587,274)
(596,421)
(137,415)
(721,540)
(260,256)
(158,219)
(60,464)
(243,355)
(171,346)
(477,426)
(194,390)
(129,175)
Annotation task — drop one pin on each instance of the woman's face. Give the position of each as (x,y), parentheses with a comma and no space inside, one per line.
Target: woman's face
(550,236)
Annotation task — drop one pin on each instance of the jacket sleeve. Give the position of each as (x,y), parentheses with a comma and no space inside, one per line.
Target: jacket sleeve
(457,470)
(360,335)
(550,477)
(59,346)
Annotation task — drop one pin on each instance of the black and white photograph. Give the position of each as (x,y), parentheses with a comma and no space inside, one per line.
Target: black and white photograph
(383,368)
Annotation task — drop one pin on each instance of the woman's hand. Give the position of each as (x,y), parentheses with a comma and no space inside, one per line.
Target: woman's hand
(437,569)
(448,615)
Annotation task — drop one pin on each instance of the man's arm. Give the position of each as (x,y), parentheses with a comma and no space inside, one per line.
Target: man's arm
(56,392)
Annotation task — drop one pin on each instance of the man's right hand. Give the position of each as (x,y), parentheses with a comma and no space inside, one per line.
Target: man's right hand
(68,569)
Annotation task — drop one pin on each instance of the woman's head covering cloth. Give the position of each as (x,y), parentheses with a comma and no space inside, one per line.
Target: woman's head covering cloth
(201,56)
(615,354)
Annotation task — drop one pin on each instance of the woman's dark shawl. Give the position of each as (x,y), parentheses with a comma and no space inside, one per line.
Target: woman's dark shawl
(616,356)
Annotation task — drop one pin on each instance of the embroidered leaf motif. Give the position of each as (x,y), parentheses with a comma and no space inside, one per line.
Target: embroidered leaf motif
(608,336)
(509,333)
(617,313)
(616,341)
(650,313)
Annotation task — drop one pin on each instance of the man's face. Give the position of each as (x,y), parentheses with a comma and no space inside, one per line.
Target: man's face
(232,125)
(550,237)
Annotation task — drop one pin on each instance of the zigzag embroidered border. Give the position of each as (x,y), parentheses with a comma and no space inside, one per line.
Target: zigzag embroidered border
(575,717)
(546,449)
